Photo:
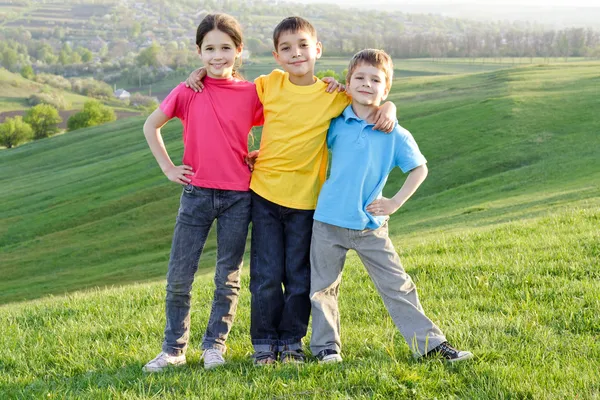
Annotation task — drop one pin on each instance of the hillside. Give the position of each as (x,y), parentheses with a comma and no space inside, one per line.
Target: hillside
(501,145)
(502,241)
(16,90)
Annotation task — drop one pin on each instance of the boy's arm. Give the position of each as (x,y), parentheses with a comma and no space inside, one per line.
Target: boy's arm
(152,127)
(385,119)
(385,206)
(194,81)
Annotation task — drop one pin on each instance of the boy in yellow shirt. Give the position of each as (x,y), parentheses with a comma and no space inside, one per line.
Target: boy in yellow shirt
(285,185)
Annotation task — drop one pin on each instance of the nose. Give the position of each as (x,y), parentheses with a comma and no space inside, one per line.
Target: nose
(296,51)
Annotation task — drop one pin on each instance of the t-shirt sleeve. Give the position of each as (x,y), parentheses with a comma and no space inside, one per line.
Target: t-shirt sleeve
(260,83)
(259,117)
(342,100)
(408,155)
(175,103)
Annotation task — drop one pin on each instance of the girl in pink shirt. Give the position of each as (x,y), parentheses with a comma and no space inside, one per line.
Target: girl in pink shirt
(216,123)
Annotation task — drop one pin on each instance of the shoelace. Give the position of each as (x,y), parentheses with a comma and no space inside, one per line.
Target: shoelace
(212,356)
(446,349)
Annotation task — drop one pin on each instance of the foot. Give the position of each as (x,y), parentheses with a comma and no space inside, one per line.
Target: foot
(449,353)
(212,358)
(164,361)
(262,358)
(328,356)
(292,356)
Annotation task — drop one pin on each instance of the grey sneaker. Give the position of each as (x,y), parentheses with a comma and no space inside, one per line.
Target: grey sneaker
(328,356)
(212,358)
(164,361)
(449,353)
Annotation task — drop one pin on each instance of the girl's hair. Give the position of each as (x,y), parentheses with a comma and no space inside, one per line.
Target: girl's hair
(226,24)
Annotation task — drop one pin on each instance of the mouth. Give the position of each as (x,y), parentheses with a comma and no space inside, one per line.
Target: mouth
(217,65)
(298,62)
(363,92)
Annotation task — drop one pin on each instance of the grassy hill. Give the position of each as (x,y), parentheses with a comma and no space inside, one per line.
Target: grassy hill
(502,240)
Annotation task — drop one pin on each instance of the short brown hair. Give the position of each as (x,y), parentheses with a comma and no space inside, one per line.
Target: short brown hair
(376,58)
(293,24)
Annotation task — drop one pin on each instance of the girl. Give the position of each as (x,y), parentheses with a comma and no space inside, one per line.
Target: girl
(216,123)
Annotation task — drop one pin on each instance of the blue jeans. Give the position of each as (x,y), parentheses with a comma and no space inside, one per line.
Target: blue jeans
(199,208)
(279,275)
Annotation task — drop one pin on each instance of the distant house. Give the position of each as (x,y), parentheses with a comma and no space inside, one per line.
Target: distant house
(122,94)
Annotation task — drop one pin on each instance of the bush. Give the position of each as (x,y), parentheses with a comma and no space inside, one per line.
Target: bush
(56,81)
(53,99)
(44,120)
(93,113)
(91,87)
(27,72)
(14,131)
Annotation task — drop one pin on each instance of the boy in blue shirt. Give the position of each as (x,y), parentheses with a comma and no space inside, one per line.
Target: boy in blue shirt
(352,214)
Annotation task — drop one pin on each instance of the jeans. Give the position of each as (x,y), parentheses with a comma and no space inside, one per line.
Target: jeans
(279,275)
(198,209)
(329,246)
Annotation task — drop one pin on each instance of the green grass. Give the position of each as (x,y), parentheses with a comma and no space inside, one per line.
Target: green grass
(502,240)
(522,296)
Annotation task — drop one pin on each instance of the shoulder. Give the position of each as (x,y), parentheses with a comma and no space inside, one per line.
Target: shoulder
(181,91)
(275,75)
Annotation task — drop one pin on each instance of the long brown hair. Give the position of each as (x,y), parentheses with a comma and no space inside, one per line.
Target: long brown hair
(226,24)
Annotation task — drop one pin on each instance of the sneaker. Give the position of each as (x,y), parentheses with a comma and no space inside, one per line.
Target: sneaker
(292,356)
(212,358)
(328,356)
(449,353)
(164,361)
(262,358)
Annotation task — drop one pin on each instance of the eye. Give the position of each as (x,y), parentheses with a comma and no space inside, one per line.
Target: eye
(286,48)
(377,80)
(209,48)
(360,78)
(304,45)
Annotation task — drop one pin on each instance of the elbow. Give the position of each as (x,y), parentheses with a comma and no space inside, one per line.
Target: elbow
(424,170)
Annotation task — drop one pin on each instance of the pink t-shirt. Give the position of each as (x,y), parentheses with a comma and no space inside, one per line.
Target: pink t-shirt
(216,123)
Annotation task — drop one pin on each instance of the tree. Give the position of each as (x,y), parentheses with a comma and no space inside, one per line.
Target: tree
(27,72)
(44,120)
(93,113)
(150,56)
(14,131)
(10,59)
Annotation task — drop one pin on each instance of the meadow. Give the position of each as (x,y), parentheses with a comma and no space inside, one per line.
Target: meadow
(502,240)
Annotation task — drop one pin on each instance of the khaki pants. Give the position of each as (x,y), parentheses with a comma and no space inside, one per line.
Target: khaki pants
(327,255)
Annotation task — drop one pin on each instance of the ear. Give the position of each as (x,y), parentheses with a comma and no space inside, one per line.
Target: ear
(276,57)
(385,93)
(238,51)
(319,50)
(198,50)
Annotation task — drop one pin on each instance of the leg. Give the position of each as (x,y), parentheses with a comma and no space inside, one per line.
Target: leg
(194,220)
(397,290)
(266,273)
(327,257)
(232,231)
(296,310)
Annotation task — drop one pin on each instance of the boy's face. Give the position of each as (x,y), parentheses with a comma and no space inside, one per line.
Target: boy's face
(297,53)
(218,53)
(367,85)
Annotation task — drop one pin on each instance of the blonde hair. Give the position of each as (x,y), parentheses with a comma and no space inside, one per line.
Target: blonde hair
(376,58)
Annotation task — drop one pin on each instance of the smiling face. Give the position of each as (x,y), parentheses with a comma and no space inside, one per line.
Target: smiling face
(297,53)
(218,54)
(367,85)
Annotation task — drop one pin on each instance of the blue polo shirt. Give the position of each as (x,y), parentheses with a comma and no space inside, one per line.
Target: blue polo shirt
(361,161)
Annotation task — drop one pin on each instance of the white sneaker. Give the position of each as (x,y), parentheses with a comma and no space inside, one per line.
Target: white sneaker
(212,358)
(164,361)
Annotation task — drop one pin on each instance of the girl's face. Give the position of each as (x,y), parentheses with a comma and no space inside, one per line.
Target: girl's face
(218,53)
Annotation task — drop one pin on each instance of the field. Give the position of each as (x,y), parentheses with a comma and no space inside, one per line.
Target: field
(502,240)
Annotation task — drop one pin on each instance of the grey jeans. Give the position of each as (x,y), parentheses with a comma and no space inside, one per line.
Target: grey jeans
(327,255)
(198,209)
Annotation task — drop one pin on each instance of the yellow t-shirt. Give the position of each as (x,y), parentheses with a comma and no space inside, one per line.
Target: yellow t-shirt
(292,163)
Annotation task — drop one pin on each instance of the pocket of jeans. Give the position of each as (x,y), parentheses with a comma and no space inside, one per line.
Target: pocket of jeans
(188,189)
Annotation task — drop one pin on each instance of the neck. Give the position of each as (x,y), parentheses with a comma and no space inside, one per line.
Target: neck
(365,112)
(304,80)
